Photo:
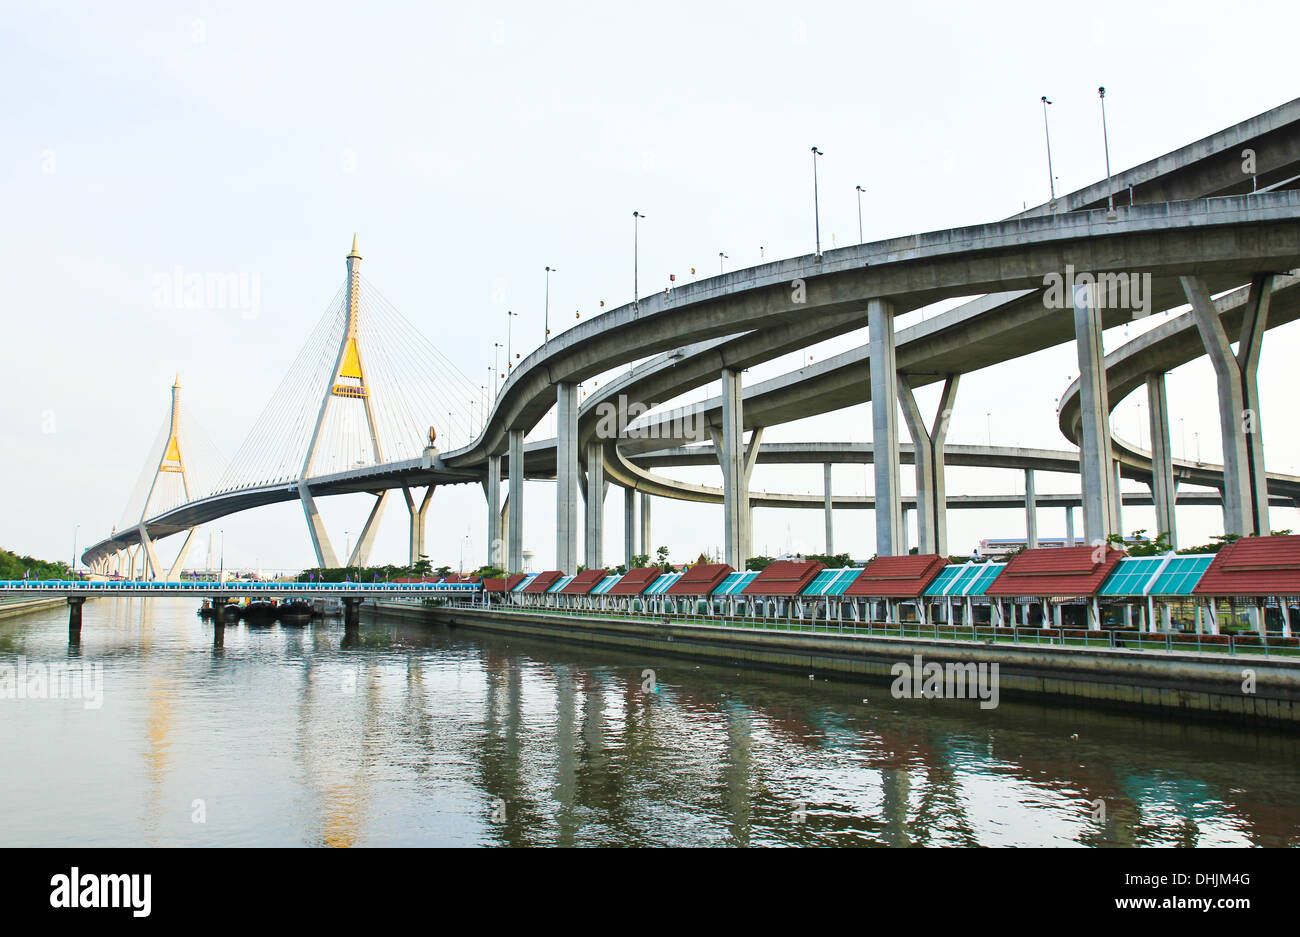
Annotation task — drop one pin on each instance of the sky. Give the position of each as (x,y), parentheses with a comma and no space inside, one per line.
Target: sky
(472,146)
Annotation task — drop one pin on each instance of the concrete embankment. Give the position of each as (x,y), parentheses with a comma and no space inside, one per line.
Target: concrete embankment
(1247,689)
(10,609)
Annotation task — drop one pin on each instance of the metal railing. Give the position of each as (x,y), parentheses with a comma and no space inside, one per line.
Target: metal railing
(211,587)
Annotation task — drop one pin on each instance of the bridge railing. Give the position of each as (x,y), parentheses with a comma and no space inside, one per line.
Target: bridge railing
(212,587)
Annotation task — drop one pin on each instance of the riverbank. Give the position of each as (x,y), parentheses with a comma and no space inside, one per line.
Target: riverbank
(10,609)
(1255,690)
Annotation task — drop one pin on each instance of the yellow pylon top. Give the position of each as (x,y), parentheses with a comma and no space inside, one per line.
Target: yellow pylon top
(354,247)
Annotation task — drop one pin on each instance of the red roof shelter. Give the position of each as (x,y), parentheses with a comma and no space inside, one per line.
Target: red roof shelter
(1056,571)
(897,577)
(783,577)
(701,579)
(543,581)
(513,580)
(1254,566)
(635,581)
(494,585)
(584,582)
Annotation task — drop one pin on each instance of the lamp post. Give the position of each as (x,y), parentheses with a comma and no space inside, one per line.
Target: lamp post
(510,358)
(860,191)
(496,366)
(1051,179)
(72,570)
(721,257)
(1105,139)
(546,316)
(636,258)
(817,219)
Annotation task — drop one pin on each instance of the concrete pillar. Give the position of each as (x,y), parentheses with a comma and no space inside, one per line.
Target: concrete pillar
(646,549)
(927,447)
(629,527)
(594,542)
(566,477)
(516,520)
(731,454)
(903,532)
(1163,489)
(1069,525)
(1095,472)
(884,426)
(74,616)
(417,516)
(1031,512)
(351,611)
(830,520)
(1119,499)
(366,539)
(1245,488)
(492,491)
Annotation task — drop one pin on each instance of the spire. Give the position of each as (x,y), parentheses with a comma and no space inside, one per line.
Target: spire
(177,382)
(354,248)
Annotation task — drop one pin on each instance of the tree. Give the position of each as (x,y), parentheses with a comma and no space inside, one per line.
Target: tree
(662,553)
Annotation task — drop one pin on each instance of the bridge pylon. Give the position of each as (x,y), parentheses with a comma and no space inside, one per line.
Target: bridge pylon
(347,383)
(172,460)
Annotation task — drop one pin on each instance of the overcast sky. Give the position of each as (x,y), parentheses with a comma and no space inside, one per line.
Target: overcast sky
(471,147)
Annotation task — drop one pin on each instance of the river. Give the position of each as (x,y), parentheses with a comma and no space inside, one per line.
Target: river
(403,734)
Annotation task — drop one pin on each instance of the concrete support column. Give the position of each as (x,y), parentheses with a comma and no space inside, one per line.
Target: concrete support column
(516,520)
(731,455)
(366,540)
(174,573)
(1095,472)
(884,426)
(927,447)
(594,542)
(1031,511)
(1163,489)
(1117,488)
(74,616)
(1245,489)
(492,491)
(1069,526)
(326,558)
(417,516)
(830,518)
(646,548)
(566,478)
(629,527)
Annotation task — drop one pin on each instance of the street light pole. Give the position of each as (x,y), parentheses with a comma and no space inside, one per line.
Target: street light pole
(860,191)
(721,258)
(1051,179)
(817,218)
(546,320)
(72,570)
(1110,195)
(510,358)
(496,366)
(636,258)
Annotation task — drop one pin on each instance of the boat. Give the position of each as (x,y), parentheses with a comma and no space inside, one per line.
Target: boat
(259,611)
(295,612)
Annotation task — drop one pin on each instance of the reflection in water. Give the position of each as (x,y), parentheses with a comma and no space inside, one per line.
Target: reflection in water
(398,734)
